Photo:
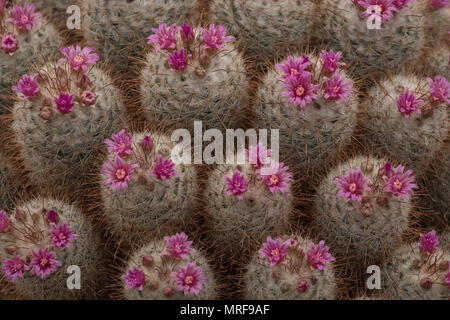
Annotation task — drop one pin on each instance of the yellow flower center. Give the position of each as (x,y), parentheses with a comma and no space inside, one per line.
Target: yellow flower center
(273,179)
(275,253)
(352,187)
(188,280)
(300,90)
(120,174)
(78,59)
(398,184)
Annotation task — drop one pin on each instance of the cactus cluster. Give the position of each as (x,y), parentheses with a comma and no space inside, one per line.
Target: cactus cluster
(7,185)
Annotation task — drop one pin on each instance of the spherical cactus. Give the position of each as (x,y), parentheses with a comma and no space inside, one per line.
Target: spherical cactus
(65,113)
(312,103)
(266,28)
(145,194)
(418,272)
(7,187)
(362,208)
(437,17)
(435,61)
(290,268)
(407,118)
(196,75)
(40,241)
(344,25)
(168,269)
(120,27)
(245,203)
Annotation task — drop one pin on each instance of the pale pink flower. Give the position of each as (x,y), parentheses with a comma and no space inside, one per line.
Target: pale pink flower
(14,268)
(64,103)
(352,185)
(276,177)
(274,251)
(4,221)
(164,169)
(439,89)
(336,88)
(44,263)
(399,183)
(27,86)
(24,18)
(258,155)
(10,44)
(447,278)
(330,60)
(88,98)
(407,103)
(401,4)
(293,66)
(387,8)
(302,286)
(190,279)
(429,242)
(318,256)
(118,173)
(178,60)
(178,245)
(214,37)
(121,144)
(439,4)
(135,278)
(78,57)
(147,143)
(300,90)
(237,185)
(164,37)
(62,235)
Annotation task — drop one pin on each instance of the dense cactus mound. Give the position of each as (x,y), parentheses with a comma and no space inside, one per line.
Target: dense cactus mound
(362,208)
(199,77)
(397,42)
(55,9)
(40,240)
(289,269)
(437,21)
(60,129)
(309,129)
(119,28)
(416,275)
(435,61)
(7,187)
(168,270)
(264,28)
(148,195)
(405,121)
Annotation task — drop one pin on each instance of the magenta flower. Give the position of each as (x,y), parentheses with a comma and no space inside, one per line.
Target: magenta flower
(387,171)
(10,44)
(330,60)
(399,183)
(2,5)
(190,279)
(64,103)
(187,34)
(178,60)
(274,251)
(447,278)
(52,216)
(429,242)
(352,185)
(258,155)
(318,256)
(121,144)
(164,169)
(27,86)
(302,286)
(276,177)
(24,17)
(147,143)
(134,279)
(401,4)
(300,89)
(336,89)
(4,222)
(79,58)
(164,37)
(62,235)
(439,89)
(407,103)
(215,37)
(44,263)
(88,98)
(387,8)
(293,67)
(14,268)
(237,185)
(439,4)
(178,245)
(119,173)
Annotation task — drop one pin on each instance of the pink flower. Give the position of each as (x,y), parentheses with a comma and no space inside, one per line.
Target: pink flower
(190,278)
(24,17)
(119,173)
(399,183)
(14,268)
(438,4)
(52,216)
(429,242)
(186,32)
(27,86)
(164,169)
(79,58)
(147,143)
(121,144)
(179,246)
(401,4)
(386,6)
(178,60)
(318,256)
(293,67)
(300,89)
(164,37)
(4,222)
(62,235)
(88,98)
(330,60)
(276,177)
(215,37)
(64,103)
(407,103)
(274,251)
(352,185)
(2,5)
(258,155)
(387,170)
(10,44)
(447,278)
(134,279)
(439,89)
(237,185)
(302,286)
(44,263)
(336,89)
